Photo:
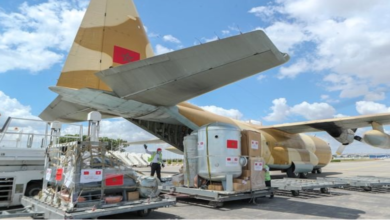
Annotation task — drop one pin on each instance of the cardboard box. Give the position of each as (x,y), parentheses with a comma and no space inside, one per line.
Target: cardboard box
(131,196)
(178,180)
(246,174)
(250,143)
(257,176)
(215,187)
(241,185)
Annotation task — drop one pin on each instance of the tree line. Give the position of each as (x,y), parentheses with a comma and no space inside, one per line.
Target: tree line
(112,144)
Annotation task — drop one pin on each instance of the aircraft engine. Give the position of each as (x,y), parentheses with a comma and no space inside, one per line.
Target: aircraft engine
(377,138)
(346,137)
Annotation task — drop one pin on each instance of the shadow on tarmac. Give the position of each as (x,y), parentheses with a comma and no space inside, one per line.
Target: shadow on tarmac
(374,190)
(285,205)
(310,194)
(153,215)
(281,204)
(310,175)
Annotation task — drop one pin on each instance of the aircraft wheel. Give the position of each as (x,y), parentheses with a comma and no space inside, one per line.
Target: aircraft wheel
(367,188)
(319,171)
(295,192)
(215,204)
(290,173)
(314,171)
(143,213)
(303,175)
(324,190)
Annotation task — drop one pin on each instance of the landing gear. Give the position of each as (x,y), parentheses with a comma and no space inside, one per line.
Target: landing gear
(318,171)
(367,188)
(303,175)
(291,174)
(215,204)
(295,192)
(143,213)
(324,190)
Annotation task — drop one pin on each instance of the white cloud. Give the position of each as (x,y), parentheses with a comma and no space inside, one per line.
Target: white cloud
(281,110)
(231,113)
(26,33)
(313,111)
(350,40)
(324,97)
(172,39)
(293,70)
(375,96)
(328,99)
(369,107)
(279,31)
(210,39)
(261,77)
(263,11)
(123,129)
(225,32)
(11,107)
(160,49)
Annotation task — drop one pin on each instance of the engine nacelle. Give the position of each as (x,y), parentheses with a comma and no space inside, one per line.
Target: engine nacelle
(346,137)
(377,138)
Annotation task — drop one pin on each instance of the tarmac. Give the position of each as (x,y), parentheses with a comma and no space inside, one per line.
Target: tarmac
(347,203)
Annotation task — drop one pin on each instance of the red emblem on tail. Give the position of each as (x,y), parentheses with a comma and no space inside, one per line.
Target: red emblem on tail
(123,55)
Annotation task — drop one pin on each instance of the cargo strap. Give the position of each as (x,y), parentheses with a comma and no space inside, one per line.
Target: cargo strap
(187,167)
(207,147)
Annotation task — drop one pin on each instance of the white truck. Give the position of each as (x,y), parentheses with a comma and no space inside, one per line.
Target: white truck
(22,152)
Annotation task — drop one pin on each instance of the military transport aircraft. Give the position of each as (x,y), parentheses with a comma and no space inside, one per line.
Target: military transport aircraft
(111,68)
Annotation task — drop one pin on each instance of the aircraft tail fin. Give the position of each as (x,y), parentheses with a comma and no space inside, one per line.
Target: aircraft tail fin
(111,34)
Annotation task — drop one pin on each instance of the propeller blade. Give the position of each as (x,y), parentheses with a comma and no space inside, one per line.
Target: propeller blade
(341,149)
(358,138)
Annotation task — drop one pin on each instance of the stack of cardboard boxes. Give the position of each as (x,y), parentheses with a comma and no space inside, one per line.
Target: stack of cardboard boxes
(216,186)
(253,176)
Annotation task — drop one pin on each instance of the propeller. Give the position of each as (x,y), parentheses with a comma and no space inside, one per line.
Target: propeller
(342,147)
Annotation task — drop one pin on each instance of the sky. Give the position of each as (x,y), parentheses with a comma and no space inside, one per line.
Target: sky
(339,66)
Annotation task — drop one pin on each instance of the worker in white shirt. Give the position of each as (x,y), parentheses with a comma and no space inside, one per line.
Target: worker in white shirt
(155,161)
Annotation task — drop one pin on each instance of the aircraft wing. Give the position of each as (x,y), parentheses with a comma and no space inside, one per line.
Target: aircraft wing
(66,111)
(171,78)
(174,150)
(153,141)
(332,124)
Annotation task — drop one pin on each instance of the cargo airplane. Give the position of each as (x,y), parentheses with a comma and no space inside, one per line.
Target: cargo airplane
(111,68)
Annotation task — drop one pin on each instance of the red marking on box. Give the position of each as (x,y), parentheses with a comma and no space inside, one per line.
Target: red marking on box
(59,174)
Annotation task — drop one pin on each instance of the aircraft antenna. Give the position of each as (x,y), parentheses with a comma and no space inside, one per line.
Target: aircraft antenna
(238,27)
(217,35)
(200,42)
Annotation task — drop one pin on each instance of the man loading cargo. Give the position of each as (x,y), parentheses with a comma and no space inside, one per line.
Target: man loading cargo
(155,162)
